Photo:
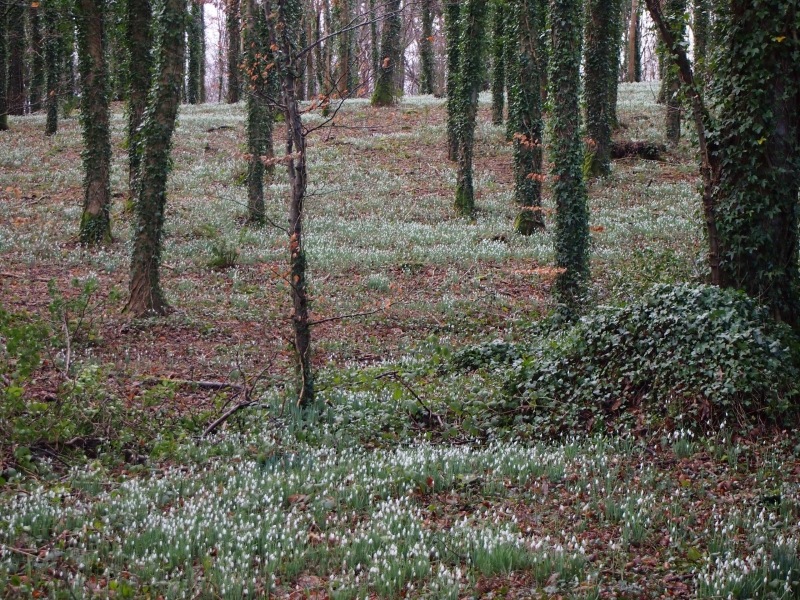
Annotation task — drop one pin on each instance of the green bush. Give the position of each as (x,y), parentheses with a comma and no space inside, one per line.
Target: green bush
(687,352)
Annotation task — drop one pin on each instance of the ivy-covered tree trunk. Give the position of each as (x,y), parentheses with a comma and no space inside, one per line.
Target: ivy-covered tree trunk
(309,74)
(525,111)
(757,139)
(601,65)
(37,59)
(196,58)
(256,115)
(674,12)
(288,16)
(234,41)
(426,80)
(16,59)
(374,49)
(452,28)
(384,94)
(569,189)
(3,70)
(139,40)
(202,77)
(146,296)
(471,55)
(701,25)
(346,74)
(95,225)
(499,10)
(51,63)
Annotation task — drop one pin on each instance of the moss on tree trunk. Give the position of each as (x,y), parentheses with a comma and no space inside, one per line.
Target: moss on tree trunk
(385,92)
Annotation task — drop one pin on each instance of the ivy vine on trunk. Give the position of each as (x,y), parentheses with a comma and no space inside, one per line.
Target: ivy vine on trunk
(95,227)
(470,77)
(525,110)
(426,49)
(499,10)
(3,71)
(138,39)
(385,92)
(50,43)
(452,26)
(569,189)
(146,295)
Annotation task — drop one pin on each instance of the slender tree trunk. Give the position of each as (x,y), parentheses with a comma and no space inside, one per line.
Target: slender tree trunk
(288,15)
(674,11)
(234,42)
(426,49)
(146,296)
(384,94)
(452,24)
(3,70)
(601,64)
(701,24)
(309,19)
(499,12)
(95,225)
(202,31)
(50,23)
(16,59)
(633,42)
(139,40)
(37,60)
(471,56)
(525,111)
(256,116)
(195,51)
(569,189)
(374,49)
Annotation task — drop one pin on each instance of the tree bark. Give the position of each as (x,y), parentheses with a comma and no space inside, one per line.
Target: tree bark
(384,94)
(525,111)
(569,189)
(139,40)
(95,227)
(196,57)
(633,42)
(146,295)
(50,42)
(601,65)
(499,41)
(37,60)
(426,81)
(16,59)
(674,11)
(234,43)
(471,55)
(256,116)
(3,71)
(288,16)
(452,25)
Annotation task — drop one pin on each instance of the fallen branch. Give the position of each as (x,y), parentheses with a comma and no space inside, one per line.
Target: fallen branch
(230,412)
(628,149)
(207,385)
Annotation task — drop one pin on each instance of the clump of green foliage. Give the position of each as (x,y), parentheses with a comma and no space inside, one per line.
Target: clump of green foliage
(692,352)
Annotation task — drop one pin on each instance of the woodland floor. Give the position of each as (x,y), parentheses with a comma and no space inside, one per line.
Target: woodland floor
(668,516)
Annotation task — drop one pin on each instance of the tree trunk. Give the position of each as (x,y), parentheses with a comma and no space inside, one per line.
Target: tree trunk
(37,60)
(256,116)
(146,296)
(374,49)
(234,42)
(50,22)
(384,94)
(569,189)
(452,25)
(426,49)
(601,65)
(499,41)
(196,57)
(674,11)
(202,77)
(633,42)
(139,40)
(471,55)
(701,24)
(525,111)
(16,59)
(288,18)
(95,225)
(3,71)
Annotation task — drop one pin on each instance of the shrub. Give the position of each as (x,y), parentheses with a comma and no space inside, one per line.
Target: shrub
(683,351)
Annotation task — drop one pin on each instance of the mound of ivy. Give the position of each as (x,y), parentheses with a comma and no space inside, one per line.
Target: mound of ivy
(690,353)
